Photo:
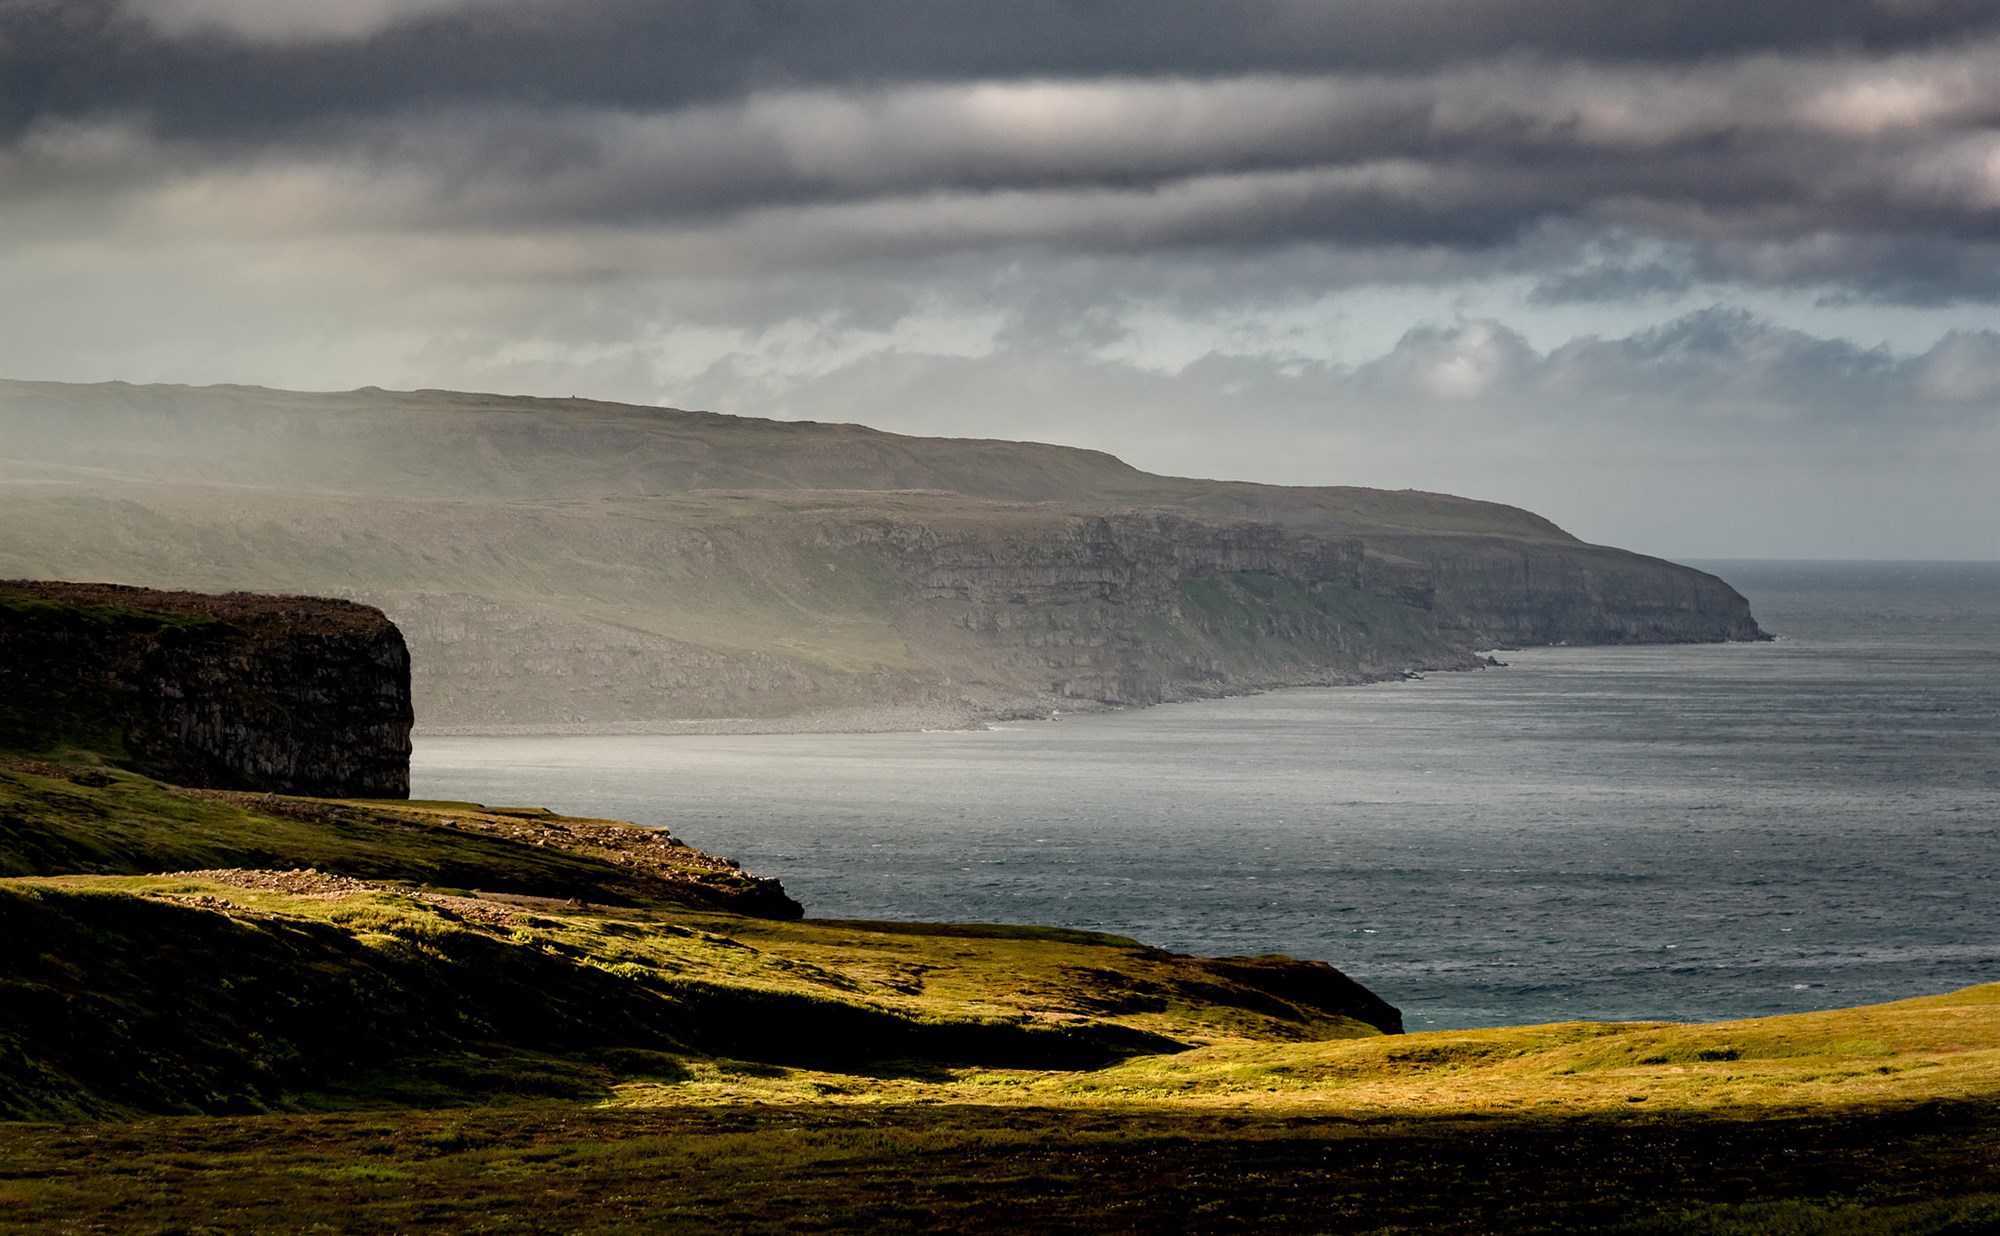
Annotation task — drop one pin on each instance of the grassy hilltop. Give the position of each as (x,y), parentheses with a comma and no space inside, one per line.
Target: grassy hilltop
(225,1011)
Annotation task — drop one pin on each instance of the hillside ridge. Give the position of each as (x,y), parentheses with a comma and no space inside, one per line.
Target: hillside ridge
(971,466)
(577,565)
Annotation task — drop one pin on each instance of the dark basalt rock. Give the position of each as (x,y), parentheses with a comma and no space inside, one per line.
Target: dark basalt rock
(294,695)
(1310,986)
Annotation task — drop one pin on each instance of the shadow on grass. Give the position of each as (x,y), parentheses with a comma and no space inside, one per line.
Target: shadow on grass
(976,1168)
(112,1003)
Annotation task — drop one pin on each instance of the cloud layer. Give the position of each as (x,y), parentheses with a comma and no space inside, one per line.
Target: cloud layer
(1861,172)
(1330,221)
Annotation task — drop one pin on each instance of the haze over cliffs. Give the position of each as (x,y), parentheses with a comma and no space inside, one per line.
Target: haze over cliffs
(562,563)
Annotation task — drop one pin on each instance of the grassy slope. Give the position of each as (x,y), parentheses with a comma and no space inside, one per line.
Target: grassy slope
(78,819)
(413,967)
(521,1063)
(594,1117)
(495,446)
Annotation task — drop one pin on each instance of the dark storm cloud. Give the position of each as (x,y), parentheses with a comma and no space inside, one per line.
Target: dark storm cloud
(260,64)
(193,68)
(1851,146)
(1218,236)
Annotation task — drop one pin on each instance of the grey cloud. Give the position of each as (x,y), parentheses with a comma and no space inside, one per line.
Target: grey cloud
(1721,375)
(1723,364)
(1612,281)
(1718,432)
(1857,152)
(1910,269)
(236,65)
(1964,368)
(286,21)
(1025,218)
(1721,379)
(1825,171)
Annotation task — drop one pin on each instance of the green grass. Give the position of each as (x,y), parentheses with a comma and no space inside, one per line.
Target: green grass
(193,995)
(980,1013)
(186,1052)
(555,1166)
(61,615)
(391,984)
(584,937)
(83,819)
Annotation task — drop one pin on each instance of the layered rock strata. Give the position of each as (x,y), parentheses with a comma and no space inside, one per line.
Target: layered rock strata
(1143,608)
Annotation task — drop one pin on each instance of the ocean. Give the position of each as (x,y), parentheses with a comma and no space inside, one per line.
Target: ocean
(1684,833)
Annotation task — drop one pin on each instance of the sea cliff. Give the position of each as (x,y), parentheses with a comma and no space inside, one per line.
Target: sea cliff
(570,565)
(294,695)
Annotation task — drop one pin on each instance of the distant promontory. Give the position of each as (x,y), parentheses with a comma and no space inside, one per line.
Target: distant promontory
(572,565)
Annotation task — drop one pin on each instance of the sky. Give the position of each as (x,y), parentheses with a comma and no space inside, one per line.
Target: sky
(1703,278)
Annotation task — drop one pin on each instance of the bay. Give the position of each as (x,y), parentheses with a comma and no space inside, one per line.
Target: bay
(1681,833)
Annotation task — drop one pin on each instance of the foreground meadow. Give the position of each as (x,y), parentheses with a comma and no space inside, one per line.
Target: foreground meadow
(223,1013)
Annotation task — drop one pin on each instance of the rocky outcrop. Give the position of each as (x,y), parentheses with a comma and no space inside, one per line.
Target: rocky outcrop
(1311,986)
(293,695)
(954,612)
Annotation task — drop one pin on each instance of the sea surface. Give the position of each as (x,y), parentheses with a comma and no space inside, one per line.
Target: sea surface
(1678,833)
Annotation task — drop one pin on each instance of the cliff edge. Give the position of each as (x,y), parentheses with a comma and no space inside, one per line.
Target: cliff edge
(292,695)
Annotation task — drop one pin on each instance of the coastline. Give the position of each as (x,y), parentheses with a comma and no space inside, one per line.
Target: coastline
(914,718)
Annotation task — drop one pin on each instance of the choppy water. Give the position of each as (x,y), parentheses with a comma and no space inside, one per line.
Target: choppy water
(1672,832)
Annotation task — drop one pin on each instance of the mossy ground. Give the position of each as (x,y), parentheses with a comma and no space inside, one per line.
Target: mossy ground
(387,1056)
(93,818)
(1005,1168)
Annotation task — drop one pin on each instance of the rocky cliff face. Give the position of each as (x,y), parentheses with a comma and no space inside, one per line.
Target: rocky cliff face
(1489,592)
(565,563)
(940,615)
(1128,559)
(1143,608)
(293,695)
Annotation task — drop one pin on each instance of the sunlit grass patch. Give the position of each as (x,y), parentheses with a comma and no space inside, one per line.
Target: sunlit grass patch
(948,1009)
